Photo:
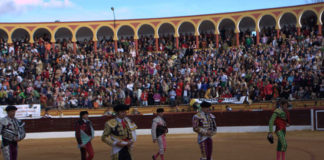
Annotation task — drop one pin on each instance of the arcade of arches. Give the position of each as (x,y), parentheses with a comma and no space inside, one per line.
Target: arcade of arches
(200,30)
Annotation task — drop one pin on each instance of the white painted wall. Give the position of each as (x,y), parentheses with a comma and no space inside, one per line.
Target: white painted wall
(234,129)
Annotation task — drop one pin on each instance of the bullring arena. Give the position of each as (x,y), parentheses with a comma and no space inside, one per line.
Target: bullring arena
(238,137)
(303,145)
(242,131)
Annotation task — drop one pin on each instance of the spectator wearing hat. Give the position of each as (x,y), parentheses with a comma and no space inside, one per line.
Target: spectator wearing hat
(84,133)
(12,131)
(119,133)
(205,125)
(159,130)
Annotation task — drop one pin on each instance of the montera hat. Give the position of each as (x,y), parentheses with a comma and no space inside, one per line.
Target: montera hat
(121,107)
(205,104)
(11,108)
(82,113)
(160,110)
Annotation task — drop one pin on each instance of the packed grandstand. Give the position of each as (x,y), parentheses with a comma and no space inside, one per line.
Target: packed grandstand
(262,54)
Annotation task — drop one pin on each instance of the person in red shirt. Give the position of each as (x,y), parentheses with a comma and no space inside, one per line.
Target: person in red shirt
(227,95)
(150,48)
(261,88)
(180,84)
(128,100)
(163,99)
(260,84)
(275,91)
(179,94)
(58,84)
(76,70)
(184,45)
(268,90)
(45,74)
(144,97)
(43,101)
(229,70)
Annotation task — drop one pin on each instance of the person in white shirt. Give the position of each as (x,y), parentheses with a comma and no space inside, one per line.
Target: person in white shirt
(121,50)
(133,52)
(11,49)
(73,102)
(130,86)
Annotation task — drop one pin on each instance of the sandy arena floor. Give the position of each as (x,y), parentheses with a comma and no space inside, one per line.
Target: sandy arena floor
(304,145)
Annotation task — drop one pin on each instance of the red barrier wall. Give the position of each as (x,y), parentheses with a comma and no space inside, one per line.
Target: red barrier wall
(174,120)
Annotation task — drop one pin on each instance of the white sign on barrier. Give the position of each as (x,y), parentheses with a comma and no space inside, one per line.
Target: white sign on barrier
(23,111)
(232,100)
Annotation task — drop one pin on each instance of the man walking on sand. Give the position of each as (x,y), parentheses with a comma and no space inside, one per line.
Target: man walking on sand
(159,131)
(205,125)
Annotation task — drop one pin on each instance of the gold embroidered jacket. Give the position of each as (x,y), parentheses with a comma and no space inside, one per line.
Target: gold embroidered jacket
(115,132)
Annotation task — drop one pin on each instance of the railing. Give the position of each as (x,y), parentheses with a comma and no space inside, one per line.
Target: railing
(267,105)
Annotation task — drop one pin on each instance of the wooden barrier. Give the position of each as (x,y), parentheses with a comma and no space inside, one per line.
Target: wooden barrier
(174,120)
(185,108)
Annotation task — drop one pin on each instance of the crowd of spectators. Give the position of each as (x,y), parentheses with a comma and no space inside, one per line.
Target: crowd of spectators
(288,66)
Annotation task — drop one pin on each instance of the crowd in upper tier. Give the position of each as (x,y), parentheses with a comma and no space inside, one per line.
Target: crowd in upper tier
(288,66)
